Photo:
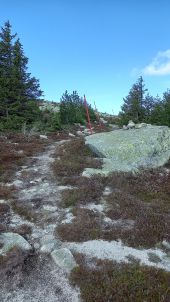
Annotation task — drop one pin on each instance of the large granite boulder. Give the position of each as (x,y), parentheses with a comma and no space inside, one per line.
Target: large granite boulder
(146,147)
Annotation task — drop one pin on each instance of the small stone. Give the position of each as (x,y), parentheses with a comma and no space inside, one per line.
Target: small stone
(166,244)
(50,208)
(43,136)
(80,133)
(64,259)
(131,125)
(71,135)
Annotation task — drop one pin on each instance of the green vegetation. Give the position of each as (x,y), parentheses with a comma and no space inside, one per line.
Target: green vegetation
(141,107)
(106,281)
(72,109)
(20,93)
(18,90)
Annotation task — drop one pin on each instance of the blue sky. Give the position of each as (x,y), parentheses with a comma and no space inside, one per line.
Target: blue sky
(97,47)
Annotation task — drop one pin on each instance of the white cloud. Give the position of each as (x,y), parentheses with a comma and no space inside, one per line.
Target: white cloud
(160,65)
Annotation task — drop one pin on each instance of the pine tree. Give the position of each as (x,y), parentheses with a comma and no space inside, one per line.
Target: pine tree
(6,49)
(72,109)
(25,88)
(133,107)
(166,105)
(18,90)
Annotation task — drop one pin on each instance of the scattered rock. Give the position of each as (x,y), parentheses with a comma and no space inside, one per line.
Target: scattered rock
(64,259)
(50,208)
(12,240)
(103,120)
(13,250)
(43,136)
(166,244)
(80,133)
(71,135)
(114,126)
(50,245)
(131,125)
(138,126)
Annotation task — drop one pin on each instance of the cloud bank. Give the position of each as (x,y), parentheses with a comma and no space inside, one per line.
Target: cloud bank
(160,65)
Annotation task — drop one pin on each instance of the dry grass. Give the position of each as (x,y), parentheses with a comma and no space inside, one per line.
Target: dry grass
(86,226)
(106,281)
(140,204)
(24,211)
(74,156)
(144,198)
(87,190)
(15,149)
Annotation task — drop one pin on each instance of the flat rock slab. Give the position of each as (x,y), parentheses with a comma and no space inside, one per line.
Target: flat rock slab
(129,150)
(64,259)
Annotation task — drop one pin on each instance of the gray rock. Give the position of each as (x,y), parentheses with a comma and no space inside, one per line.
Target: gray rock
(71,134)
(103,120)
(147,147)
(125,127)
(114,126)
(64,259)
(43,136)
(138,126)
(50,208)
(11,240)
(131,125)
(48,247)
(49,243)
(80,133)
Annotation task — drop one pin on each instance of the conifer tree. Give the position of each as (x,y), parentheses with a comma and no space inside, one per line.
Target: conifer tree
(6,49)
(133,107)
(18,90)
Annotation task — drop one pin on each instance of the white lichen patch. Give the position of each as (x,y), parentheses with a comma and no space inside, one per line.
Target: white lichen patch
(95,207)
(123,223)
(116,251)
(69,217)
(107,191)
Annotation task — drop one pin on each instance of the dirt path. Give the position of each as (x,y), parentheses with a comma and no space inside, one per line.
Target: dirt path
(38,197)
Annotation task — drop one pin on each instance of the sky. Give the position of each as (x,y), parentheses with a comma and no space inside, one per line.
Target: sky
(97,47)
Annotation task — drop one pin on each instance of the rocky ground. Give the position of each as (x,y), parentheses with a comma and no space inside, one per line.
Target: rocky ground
(66,237)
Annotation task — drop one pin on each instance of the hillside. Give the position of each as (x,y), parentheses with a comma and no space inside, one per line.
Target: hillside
(86,239)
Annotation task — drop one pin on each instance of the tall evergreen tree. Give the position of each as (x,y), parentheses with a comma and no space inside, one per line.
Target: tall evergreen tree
(6,50)
(25,88)
(133,107)
(18,90)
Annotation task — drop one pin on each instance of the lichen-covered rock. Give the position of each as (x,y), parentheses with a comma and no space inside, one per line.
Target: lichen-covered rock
(13,250)
(10,240)
(147,147)
(64,259)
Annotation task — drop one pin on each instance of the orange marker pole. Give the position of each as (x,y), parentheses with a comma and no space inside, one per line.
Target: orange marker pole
(87,113)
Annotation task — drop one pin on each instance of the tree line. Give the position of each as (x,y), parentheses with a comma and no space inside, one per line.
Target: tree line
(20,92)
(140,106)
